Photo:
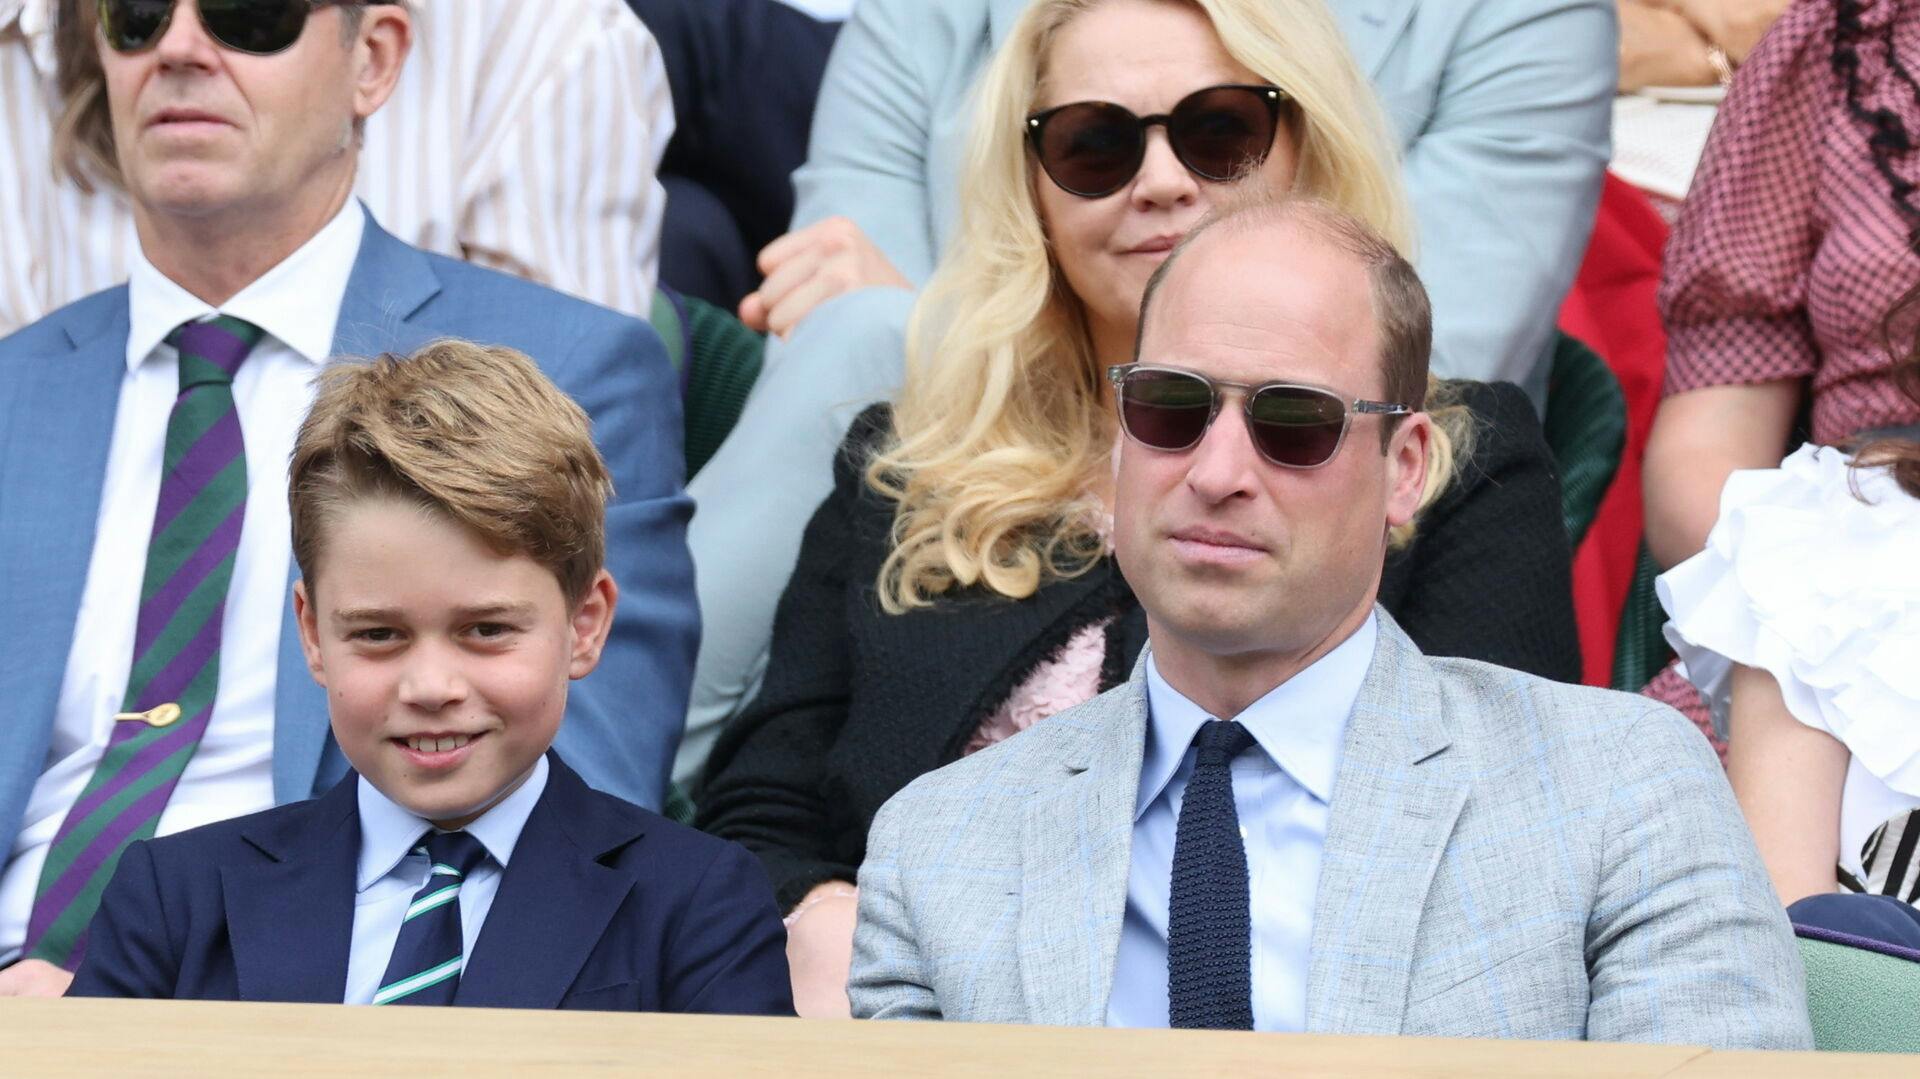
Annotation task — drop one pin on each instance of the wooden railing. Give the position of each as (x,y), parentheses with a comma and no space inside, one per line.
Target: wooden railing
(55,1039)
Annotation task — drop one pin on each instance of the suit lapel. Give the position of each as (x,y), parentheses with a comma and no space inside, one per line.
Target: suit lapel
(1371,27)
(297,903)
(555,900)
(1395,801)
(1075,847)
(53,465)
(390,282)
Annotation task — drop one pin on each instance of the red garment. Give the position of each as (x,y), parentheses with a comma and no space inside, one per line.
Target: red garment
(1611,308)
(1790,249)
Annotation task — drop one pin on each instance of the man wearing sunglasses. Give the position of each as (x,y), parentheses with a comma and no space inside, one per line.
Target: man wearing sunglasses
(146,433)
(1289,818)
(444,165)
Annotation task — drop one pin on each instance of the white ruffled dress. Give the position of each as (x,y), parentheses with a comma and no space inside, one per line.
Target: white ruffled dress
(1821,589)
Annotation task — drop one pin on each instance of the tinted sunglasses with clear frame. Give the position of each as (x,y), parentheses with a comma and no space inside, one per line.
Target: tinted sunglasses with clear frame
(1292,425)
(1092,148)
(256,27)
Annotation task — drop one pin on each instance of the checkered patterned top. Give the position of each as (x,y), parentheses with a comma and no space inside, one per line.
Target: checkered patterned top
(1791,248)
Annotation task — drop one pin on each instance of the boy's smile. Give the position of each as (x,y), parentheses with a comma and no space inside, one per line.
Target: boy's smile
(446,663)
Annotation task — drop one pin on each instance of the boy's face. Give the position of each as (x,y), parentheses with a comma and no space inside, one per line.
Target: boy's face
(446,663)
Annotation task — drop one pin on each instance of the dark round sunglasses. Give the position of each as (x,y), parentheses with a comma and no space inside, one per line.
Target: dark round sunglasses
(1092,148)
(1293,426)
(258,27)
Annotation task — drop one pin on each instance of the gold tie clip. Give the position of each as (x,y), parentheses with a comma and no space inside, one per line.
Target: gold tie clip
(157,716)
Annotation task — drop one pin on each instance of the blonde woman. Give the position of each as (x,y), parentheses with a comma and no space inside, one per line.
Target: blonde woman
(955,587)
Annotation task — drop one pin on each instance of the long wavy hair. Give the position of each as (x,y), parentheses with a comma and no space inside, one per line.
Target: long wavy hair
(1000,427)
(1900,456)
(1888,139)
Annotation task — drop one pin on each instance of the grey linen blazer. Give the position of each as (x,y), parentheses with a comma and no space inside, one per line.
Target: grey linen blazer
(1506,857)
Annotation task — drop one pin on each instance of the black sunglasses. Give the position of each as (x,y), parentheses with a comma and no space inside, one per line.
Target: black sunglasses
(259,27)
(1092,148)
(1294,426)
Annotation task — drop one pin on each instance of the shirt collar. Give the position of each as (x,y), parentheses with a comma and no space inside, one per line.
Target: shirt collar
(1299,723)
(388,832)
(297,302)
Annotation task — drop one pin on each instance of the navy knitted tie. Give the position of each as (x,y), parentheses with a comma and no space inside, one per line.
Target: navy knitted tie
(1209,924)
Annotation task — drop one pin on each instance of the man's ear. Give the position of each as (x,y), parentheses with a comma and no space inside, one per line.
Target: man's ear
(1408,451)
(307,619)
(379,52)
(592,621)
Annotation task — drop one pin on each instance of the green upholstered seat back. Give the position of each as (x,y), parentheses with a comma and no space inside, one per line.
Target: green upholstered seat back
(718,359)
(1861,1001)
(1586,428)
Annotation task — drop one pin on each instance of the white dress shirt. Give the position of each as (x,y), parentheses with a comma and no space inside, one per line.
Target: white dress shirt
(390,874)
(1281,789)
(231,773)
(521,136)
(824,10)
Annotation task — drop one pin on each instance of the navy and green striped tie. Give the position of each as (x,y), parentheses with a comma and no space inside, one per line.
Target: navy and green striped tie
(429,954)
(176,652)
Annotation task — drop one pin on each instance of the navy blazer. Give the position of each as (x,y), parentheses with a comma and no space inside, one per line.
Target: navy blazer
(60,386)
(605,906)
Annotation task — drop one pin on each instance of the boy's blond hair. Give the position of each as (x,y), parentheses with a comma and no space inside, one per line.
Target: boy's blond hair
(474,432)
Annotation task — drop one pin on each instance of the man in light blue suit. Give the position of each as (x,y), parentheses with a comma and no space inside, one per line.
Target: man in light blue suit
(1288,818)
(238,156)
(1502,109)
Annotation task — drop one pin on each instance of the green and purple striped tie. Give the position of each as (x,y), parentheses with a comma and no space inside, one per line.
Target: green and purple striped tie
(176,650)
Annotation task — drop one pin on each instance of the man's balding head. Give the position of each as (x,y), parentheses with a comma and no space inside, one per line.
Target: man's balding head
(1250,570)
(1402,314)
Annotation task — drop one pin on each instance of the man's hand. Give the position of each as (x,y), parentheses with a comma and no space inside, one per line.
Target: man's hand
(807,267)
(39,978)
(820,951)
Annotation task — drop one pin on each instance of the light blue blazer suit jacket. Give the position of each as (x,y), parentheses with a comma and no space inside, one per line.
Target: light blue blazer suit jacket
(60,384)
(1501,108)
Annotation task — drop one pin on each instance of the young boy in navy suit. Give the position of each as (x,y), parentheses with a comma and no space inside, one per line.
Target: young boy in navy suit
(448,524)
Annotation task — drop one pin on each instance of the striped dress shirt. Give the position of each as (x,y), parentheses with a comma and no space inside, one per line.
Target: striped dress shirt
(521,136)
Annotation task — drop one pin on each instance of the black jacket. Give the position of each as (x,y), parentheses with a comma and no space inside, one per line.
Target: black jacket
(857,703)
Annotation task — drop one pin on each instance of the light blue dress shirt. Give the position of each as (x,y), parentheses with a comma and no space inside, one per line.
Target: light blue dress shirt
(390,873)
(1281,790)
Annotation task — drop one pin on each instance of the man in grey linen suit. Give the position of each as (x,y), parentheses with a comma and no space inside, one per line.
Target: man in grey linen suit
(1380,843)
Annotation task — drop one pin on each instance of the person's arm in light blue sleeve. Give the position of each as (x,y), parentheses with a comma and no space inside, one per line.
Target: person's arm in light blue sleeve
(1686,941)
(624,720)
(889,978)
(872,127)
(872,123)
(1505,179)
